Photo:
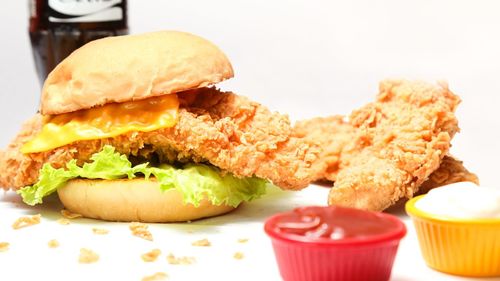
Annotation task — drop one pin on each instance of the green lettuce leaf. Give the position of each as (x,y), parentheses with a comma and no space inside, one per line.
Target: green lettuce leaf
(195,181)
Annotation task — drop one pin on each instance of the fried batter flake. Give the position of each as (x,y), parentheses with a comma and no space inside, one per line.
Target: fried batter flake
(26,221)
(156,277)
(141,230)
(171,259)
(53,243)
(202,243)
(87,256)
(4,246)
(151,256)
(100,231)
(238,255)
(70,215)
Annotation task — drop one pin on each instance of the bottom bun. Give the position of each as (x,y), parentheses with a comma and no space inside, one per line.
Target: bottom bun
(132,200)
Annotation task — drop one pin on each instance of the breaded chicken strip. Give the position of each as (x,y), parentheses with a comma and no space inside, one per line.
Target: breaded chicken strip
(403,137)
(450,171)
(336,136)
(224,129)
(341,143)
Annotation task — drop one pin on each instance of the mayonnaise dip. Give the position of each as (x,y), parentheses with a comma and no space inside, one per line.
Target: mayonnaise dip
(463,200)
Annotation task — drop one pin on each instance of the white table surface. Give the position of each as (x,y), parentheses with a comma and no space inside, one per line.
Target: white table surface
(30,258)
(305,58)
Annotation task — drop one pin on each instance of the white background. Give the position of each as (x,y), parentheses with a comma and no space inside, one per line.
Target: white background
(310,58)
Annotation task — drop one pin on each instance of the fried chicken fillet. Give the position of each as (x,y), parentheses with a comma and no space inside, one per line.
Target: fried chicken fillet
(450,171)
(387,149)
(220,128)
(405,134)
(334,134)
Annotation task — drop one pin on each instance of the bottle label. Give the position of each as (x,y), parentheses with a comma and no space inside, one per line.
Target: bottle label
(32,7)
(86,10)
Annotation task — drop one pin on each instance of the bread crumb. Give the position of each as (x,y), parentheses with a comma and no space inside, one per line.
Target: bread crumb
(243,240)
(4,246)
(63,221)
(171,259)
(141,230)
(238,255)
(53,243)
(156,277)
(26,221)
(100,231)
(69,215)
(151,256)
(87,256)
(202,243)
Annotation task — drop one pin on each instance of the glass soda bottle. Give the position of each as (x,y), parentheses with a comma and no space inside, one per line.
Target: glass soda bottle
(58,27)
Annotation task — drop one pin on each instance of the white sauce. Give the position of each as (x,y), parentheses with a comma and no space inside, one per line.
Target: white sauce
(463,200)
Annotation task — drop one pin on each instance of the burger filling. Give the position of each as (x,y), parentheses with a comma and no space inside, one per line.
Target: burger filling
(202,142)
(195,181)
(105,121)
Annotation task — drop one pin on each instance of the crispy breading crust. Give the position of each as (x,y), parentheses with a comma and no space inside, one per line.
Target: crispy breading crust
(335,135)
(224,129)
(450,171)
(387,149)
(406,133)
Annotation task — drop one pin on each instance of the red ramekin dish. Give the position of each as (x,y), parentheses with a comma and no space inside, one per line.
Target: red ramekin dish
(334,243)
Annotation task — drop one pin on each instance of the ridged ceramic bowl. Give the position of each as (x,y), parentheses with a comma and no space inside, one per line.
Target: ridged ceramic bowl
(466,247)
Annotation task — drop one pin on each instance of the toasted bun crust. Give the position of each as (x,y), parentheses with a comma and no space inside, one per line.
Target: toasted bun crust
(132,67)
(132,200)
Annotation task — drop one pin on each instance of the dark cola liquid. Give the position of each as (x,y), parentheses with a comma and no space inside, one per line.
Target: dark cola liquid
(58,27)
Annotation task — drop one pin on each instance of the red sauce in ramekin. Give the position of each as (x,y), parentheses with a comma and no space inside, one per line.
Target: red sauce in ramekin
(337,225)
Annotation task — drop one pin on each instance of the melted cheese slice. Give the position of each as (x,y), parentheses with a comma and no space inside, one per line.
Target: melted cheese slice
(104,122)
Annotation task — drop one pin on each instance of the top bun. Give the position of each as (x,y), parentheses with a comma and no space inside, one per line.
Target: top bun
(132,67)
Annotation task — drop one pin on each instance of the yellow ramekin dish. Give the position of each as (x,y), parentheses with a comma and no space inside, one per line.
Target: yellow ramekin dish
(466,247)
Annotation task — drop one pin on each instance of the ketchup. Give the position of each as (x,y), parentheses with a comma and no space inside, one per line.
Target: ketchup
(316,224)
(334,243)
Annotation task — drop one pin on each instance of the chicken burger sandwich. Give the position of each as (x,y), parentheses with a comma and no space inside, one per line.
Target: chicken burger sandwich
(131,128)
